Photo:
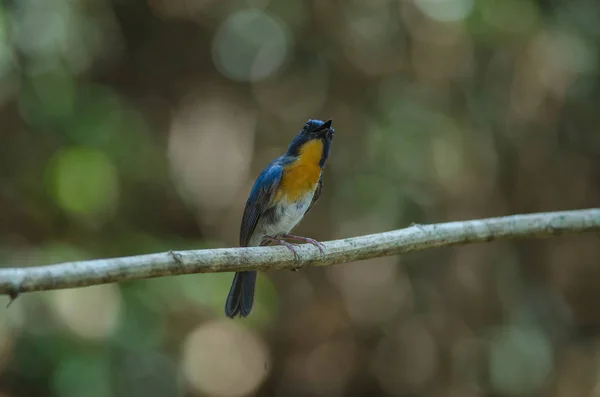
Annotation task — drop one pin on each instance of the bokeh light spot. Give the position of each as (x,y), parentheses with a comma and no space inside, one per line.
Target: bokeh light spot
(220,359)
(370,296)
(210,150)
(91,313)
(81,375)
(521,360)
(71,36)
(446,10)
(83,181)
(560,55)
(250,46)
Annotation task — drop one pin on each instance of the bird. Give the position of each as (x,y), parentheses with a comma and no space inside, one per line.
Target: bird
(284,192)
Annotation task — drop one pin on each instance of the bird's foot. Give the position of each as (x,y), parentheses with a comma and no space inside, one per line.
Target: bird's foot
(289,246)
(307,240)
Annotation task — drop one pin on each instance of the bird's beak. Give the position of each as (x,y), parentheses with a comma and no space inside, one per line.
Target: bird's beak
(325,126)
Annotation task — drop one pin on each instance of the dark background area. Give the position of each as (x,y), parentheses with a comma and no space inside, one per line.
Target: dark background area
(131,127)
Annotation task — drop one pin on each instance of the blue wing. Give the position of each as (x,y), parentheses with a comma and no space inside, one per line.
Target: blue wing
(260,199)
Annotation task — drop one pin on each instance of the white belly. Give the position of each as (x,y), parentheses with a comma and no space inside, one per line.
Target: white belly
(287,216)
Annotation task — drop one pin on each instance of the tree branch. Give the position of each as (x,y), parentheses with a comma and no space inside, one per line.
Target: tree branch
(415,238)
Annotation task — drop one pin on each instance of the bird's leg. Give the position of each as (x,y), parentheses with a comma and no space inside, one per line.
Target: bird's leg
(284,243)
(307,240)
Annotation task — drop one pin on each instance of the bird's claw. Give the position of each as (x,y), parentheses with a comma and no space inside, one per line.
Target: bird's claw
(292,248)
(307,240)
(289,246)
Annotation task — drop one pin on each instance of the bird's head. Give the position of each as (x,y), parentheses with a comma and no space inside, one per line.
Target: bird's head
(313,142)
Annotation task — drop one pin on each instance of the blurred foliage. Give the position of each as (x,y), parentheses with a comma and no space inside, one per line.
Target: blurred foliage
(132,127)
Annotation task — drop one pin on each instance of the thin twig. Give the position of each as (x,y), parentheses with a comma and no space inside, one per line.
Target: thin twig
(14,281)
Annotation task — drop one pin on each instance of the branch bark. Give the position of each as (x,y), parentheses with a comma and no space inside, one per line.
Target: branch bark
(415,238)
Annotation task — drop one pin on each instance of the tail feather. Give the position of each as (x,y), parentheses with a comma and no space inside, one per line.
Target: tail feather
(241,295)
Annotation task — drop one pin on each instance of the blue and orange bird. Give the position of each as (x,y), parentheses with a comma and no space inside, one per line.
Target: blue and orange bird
(282,194)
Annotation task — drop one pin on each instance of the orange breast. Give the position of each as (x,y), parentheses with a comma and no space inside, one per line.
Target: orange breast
(300,177)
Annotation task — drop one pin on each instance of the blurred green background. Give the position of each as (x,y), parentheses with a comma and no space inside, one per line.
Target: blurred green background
(132,126)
